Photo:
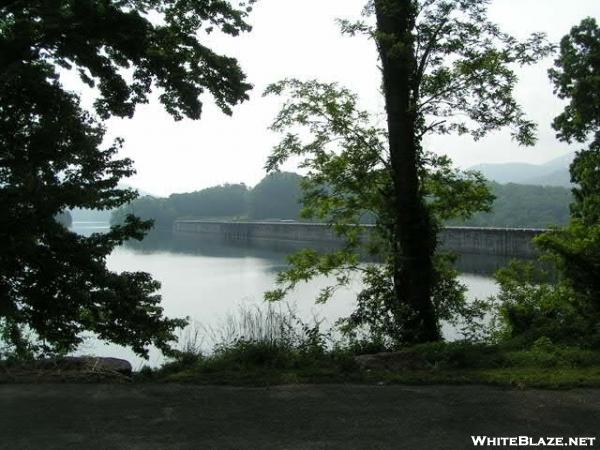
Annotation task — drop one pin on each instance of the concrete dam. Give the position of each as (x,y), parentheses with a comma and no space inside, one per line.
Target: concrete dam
(501,242)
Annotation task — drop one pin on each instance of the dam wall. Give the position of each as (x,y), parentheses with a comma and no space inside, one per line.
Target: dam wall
(504,242)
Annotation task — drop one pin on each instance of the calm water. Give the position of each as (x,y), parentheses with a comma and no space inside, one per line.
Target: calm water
(206,281)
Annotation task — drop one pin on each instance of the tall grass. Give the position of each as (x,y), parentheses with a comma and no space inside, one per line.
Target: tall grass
(269,325)
(253,336)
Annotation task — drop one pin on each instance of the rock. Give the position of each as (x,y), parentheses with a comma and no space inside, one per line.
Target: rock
(68,369)
(86,364)
(94,364)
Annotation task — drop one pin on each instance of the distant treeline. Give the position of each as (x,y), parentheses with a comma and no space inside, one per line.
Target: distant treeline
(524,206)
(278,196)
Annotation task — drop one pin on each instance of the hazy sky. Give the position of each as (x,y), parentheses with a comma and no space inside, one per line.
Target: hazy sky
(300,39)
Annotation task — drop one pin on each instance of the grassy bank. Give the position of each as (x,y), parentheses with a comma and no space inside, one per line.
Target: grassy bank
(446,363)
(268,347)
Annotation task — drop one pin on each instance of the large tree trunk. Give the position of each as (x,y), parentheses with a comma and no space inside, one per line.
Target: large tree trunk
(412,230)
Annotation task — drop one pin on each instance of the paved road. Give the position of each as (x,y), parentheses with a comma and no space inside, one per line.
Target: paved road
(153,416)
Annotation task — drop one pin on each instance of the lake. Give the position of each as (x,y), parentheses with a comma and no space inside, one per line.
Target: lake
(207,280)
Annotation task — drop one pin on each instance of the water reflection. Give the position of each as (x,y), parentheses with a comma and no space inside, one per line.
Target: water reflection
(486,265)
(215,246)
(163,240)
(87,228)
(207,279)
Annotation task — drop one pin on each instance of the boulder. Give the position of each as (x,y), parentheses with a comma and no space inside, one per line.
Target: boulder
(95,364)
(67,369)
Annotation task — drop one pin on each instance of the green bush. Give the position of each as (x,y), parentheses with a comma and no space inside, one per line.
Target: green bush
(261,338)
(543,353)
(533,305)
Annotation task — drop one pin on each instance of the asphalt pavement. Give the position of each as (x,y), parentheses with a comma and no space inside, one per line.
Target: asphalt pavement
(172,416)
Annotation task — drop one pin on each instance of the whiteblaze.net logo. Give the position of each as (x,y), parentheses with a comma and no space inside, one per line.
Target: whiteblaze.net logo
(526,441)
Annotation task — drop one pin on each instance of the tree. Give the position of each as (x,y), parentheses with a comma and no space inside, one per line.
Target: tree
(565,306)
(446,68)
(576,78)
(53,282)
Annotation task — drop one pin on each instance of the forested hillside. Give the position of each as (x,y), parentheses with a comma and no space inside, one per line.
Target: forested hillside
(524,206)
(278,196)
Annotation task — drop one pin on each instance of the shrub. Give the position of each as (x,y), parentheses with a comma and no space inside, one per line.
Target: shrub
(532,305)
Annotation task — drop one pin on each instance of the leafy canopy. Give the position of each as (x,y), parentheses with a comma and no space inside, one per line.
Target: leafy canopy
(124,47)
(462,81)
(54,283)
(569,307)
(463,78)
(576,78)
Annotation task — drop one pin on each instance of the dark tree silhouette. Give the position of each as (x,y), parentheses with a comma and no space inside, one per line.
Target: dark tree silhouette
(576,78)
(53,282)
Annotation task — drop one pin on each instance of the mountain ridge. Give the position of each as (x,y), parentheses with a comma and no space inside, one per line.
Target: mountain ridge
(551,173)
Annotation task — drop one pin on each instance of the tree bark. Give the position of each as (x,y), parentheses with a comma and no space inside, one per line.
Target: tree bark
(413,233)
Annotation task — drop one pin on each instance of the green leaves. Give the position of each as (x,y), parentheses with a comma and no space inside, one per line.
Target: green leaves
(348,179)
(585,171)
(307,264)
(463,76)
(104,39)
(575,250)
(576,77)
(453,194)
(569,308)
(465,71)
(447,69)
(53,156)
